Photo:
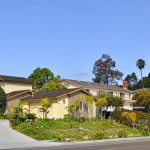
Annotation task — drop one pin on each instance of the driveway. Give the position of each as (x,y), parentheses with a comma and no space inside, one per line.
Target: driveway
(10,138)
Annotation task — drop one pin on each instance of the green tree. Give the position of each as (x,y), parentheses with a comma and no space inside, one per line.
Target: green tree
(141,64)
(105,72)
(143,98)
(102,103)
(117,102)
(40,76)
(132,80)
(45,105)
(130,115)
(44,79)
(2,99)
(106,101)
(146,82)
(54,84)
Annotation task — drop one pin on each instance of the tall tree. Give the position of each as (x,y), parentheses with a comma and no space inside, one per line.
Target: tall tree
(132,80)
(40,76)
(44,79)
(141,64)
(2,98)
(105,72)
(146,82)
(101,103)
(54,84)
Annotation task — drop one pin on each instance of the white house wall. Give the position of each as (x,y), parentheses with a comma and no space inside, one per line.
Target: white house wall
(115,93)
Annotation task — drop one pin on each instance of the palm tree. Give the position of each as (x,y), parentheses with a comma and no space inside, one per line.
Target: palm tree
(141,64)
(46,104)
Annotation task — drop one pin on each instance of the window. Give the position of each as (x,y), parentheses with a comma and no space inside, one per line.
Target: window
(64,101)
(88,90)
(122,95)
(110,93)
(81,106)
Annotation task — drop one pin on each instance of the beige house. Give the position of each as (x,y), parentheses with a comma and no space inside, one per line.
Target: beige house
(15,96)
(61,99)
(94,88)
(11,83)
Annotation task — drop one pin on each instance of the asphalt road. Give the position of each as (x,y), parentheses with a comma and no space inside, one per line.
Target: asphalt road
(145,145)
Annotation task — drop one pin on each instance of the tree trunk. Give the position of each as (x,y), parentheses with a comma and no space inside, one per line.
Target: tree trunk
(142,79)
(133,126)
(101,113)
(43,114)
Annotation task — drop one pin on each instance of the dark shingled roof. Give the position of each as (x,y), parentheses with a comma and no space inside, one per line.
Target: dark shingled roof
(13,79)
(17,93)
(51,93)
(91,85)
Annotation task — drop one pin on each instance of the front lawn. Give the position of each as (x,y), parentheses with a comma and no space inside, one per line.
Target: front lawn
(75,130)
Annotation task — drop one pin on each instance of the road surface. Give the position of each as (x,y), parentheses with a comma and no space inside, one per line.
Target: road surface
(145,145)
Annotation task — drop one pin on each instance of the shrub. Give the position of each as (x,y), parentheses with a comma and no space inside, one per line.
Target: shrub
(31,116)
(124,120)
(99,135)
(144,133)
(122,134)
(15,122)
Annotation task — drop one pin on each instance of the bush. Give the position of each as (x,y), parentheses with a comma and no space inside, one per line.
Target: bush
(99,135)
(122,134)
(144,117)
(144,133)
(31,116)
(15,122)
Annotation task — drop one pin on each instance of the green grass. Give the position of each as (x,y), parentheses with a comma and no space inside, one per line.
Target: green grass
(61,130)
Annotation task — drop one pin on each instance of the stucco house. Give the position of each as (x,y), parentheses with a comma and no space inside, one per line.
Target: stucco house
(15,96)
(20,89)
(11,83)
(61,99)
(93,88)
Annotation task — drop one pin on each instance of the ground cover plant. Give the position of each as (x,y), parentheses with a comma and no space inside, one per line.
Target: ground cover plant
(75,129)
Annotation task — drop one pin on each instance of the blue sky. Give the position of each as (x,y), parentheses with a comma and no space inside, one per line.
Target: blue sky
(68,36)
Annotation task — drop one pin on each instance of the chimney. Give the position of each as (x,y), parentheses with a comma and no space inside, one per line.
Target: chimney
(125,84)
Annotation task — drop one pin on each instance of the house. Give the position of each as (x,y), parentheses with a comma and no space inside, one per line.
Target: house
(94,88)
(61,99)
(15,96)
(11,83)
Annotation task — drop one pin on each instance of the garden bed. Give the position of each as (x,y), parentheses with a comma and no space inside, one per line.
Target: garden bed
(76,130)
